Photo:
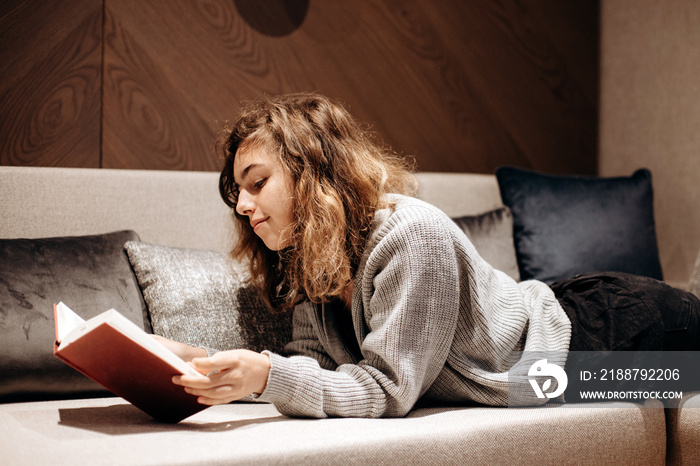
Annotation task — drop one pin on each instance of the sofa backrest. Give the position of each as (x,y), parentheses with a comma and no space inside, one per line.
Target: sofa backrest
(172,208)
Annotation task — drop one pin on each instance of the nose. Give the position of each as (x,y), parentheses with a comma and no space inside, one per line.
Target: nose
(246,203)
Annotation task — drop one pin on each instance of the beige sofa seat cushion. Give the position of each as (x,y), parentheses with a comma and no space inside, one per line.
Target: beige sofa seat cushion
(683,431)
(112,431)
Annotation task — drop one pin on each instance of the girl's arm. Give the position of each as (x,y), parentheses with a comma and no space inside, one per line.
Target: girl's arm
(238,373)
(410,292)
(305,340)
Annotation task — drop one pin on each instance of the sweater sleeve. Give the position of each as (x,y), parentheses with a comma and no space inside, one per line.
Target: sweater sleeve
(409,297)
(305,342)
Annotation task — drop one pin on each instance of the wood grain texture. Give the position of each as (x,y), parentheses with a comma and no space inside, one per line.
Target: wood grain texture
(461,86)
(464,85)
(148,122)
(50,84)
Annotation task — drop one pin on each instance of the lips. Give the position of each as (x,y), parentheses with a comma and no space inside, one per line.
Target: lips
(255,223)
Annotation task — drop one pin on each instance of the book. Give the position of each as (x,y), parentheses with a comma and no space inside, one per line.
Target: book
(117,354)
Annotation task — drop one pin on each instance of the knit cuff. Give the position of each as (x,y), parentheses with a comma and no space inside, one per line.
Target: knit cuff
(280,381)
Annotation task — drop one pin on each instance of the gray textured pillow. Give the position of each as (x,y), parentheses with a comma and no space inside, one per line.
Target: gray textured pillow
(491,233)
(200,298)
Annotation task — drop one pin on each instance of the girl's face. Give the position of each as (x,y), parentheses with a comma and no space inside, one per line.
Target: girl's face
(264,195)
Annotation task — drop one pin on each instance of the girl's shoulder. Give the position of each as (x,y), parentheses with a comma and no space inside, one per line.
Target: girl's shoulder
(408,230)
(400,208)
(404,214)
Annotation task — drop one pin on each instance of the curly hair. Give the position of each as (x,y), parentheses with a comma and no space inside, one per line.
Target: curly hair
(340,175)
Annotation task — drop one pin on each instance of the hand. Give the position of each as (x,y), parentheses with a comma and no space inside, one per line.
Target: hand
(231,375)
(185,352)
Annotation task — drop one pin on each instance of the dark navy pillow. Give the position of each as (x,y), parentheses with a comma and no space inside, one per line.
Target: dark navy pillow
(566,225)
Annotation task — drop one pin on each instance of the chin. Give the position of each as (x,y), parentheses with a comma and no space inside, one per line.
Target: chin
(275,242)
(272,245)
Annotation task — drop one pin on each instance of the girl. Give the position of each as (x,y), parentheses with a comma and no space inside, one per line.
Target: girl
(391,301)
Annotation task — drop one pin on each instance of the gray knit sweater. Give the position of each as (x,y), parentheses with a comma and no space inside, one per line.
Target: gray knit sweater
(430,318)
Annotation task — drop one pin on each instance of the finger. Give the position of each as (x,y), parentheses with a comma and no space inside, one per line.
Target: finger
(216,393)
(217,362)
(221,395)
(193,381)
(203,400)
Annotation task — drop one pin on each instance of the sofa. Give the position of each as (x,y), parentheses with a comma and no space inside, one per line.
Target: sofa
(181,211)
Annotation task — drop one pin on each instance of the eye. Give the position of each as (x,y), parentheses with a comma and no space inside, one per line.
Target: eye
(259,184)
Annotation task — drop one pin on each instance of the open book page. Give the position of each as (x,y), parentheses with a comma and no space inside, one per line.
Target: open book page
(70,327)
(66,320)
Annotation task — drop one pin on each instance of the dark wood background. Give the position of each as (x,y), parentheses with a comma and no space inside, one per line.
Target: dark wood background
(461,85)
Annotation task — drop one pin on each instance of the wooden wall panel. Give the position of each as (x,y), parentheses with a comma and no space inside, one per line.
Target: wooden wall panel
(150,118)
(50,83)
(461,85)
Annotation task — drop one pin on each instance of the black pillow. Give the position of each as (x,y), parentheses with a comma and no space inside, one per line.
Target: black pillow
(90,274)
(566,225)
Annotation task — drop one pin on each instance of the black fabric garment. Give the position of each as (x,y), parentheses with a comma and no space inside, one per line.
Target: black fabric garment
(613,311)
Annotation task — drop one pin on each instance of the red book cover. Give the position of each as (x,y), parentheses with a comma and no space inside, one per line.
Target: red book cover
(106,353)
